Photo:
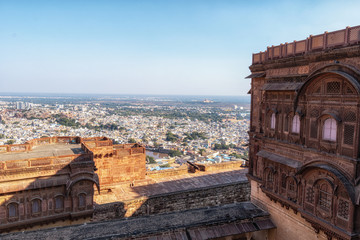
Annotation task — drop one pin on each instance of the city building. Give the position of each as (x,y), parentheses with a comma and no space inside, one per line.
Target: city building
(304,136)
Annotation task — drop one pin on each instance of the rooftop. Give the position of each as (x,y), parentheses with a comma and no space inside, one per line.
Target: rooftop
(177,183)
(42,151)
(233,218)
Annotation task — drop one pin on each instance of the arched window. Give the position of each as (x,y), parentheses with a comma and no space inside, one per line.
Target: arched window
(325,197)
(270,179)
(273,121)
(59,202)
(82,200)
(330,129)
(12,210)
(296,124)
(36,206)
(291,185)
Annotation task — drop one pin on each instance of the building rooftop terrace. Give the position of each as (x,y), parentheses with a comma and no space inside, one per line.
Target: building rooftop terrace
(42,151)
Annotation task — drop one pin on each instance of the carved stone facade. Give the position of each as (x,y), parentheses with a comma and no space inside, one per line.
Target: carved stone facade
(304,141)
(50,179)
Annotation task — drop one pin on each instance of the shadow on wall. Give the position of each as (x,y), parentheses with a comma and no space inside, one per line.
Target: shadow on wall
(41,191)
(179,195)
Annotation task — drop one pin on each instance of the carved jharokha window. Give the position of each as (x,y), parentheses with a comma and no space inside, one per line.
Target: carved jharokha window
(12,210)
(325,197)
(273,121)
(296,124)
(329,130)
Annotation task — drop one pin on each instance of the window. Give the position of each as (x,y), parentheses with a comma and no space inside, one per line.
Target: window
(309,197)
(82,200)
(296,124)
(269,179)
(343,209)
(13,210)
(330,129)
(36,206)
(273,121)
(59,202)
(283,180)
(333,87)
(286,123)
(313,129)
(325,197)
(291,185)
(349,131)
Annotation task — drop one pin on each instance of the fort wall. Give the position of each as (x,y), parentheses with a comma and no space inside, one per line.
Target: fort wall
(175,201)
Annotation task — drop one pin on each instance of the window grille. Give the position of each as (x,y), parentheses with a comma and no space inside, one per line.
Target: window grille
(296,124)
(350,117)
(313,129)
(349,134)
(330,129)
(309,195)
(314,113)
(333,87)
(273,121)
(343,209)
(287,96)
(324,198)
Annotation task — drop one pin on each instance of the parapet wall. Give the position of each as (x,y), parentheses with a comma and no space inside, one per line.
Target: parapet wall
(327,40)
(175,201)
(36,142)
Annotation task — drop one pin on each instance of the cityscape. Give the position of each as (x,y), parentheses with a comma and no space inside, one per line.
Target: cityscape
(202,131)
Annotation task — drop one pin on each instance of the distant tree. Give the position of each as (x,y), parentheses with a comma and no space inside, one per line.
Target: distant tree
(2,136)
(170,137)
(201,151)
(220,146)
(166,165)
(150,160)
(131,140)
(9,142)
(175,153)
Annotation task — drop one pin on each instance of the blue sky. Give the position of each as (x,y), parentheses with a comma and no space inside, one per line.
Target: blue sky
(151,47)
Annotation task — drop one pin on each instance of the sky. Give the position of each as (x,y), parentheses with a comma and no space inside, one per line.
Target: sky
(152,47)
